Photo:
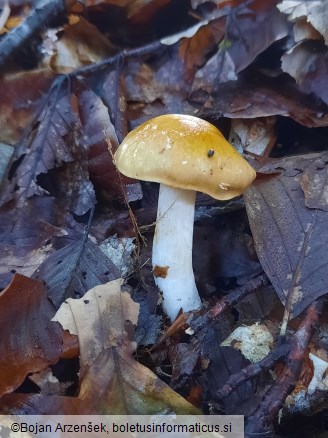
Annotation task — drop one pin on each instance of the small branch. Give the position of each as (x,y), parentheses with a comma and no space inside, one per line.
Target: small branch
(267,411)
(253,370)
(147,49)
(237,295)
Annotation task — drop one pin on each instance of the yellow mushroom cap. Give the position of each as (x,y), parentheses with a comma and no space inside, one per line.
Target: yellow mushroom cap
(185,152)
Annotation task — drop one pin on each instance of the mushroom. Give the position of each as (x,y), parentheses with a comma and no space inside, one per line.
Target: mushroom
(184,154)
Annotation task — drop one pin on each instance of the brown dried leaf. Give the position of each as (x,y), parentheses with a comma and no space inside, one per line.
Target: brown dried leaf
(304,31)
(241,44)
(29,340)
(193,50)
(184,358)
(254,135)
(99,318)
(307,63)
(117,384)
(141,12)
(288,236)
(20,96)
(315,12)
(80,44)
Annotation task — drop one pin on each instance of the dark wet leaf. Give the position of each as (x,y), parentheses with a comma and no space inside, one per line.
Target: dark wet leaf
(48,148)
(307,63)
(99,139)
(74,269)
(290,238)
(225,361)
(240,45)
(255,95)
(26,238)
(29,340)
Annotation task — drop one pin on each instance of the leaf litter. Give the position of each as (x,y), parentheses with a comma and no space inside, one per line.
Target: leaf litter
(217,67)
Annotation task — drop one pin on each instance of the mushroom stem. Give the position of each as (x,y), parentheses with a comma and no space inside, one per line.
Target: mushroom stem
(172,250)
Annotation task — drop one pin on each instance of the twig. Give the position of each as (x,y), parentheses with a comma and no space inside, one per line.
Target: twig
(265,414)
(237,295)
(253,370)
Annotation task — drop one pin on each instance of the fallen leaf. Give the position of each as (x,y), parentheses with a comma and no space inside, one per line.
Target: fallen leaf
(305,31)
(112,381)
(48,383)
(99,318)
(6,154)
(314,11)
(48,148)
(29,340)
(239,46)
(79,44)
(38,404)
(255,95)
(26,236)
(184,358)
(21,94)
(74,269)
(256,136)
(97,137)
(193,50)
(141,12)
(117,384)
(288,236)
(307,64)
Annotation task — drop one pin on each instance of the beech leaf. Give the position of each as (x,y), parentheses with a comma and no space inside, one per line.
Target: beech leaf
(99,318)
(290,238)
(73,270)
(29,340)
(116,384)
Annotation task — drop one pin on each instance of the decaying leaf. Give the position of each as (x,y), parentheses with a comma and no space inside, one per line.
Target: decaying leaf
(256,135)
(255,95)
(49,147)
(99,318)
(112,381)
(26,237)
(97,136)
(74,269)
(27,87)
(6,153)
(80,44)
(307,64)
(29,340)
(193,50)
(117,384)
(38,404)
(240,44)
(289,236)
(315,12)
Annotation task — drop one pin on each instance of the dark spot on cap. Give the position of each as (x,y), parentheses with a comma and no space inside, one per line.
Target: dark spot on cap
(210,153)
